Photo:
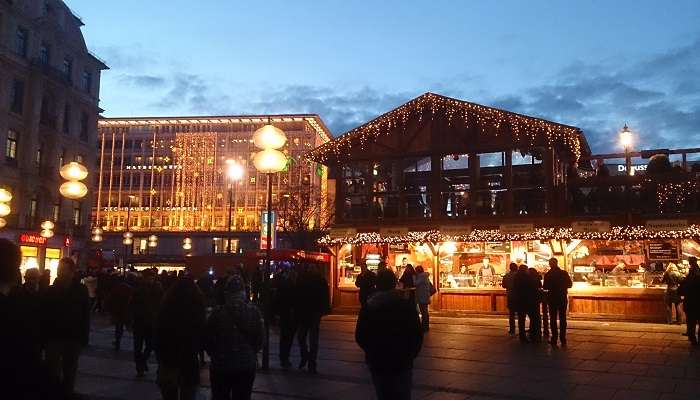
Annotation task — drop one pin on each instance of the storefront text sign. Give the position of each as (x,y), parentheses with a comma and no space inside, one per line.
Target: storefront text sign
(517,228)
(340,233)
(656,225)
(393,231)
(32,238)
(455,230)
(663,250)
(590,226)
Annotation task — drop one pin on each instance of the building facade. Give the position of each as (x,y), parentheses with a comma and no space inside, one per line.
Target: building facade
(168,177)
(49,88)
(464,190)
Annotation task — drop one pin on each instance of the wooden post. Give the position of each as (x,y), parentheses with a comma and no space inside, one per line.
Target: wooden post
(508,177)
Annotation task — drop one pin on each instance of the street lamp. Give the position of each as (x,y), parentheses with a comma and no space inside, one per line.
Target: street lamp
(234,171)
(73,189)
(626,142)
(268,161)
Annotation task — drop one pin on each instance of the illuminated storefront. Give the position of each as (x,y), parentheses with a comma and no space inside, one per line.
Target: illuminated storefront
(40,252)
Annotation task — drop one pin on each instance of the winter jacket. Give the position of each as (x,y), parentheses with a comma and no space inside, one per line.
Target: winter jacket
(526,291)
(690,290)
(507,283)
(423,286)
(366,282)
(233,337)
(178,339)
(311,298)
(557,282)
(389,332)
(144,306)
(66,313)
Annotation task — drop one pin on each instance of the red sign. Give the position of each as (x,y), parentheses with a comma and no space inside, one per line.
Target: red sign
(67,242)
(32,238)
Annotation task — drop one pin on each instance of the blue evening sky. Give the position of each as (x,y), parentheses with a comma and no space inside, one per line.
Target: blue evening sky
(593,64)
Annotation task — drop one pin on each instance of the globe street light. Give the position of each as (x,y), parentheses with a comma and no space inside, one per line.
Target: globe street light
(5,208)
(626,142)
(234,171)
(268,161)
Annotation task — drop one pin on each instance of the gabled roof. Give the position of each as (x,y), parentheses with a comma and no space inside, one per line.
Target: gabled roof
(524,131)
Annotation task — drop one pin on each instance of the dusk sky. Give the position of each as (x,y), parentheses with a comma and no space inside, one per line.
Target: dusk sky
(595,65)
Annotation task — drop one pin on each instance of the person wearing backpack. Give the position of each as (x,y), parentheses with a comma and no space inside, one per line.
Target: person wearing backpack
(233,336)
(424,290)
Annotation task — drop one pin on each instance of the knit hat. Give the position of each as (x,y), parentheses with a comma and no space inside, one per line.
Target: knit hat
(235,284)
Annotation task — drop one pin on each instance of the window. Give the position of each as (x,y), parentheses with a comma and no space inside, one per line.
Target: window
(84,126)
(76,213)
(21,41)
(79,158)
(45,53)
(87,81)
(66,119)
(220,245)
(37,157)
(62,157)
(11,145)
(56,212)
(17,97)
(33,206)
(67,68)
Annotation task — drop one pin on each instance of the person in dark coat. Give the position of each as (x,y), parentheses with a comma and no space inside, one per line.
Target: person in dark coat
(507,284)
(312,301)
(65,325)
(179,328)
(366,281)
(526,293)
(557,283)
(284,283)
(690,292)
(389,332)
(233,337)
(144,312)
(407,282)
(20,339)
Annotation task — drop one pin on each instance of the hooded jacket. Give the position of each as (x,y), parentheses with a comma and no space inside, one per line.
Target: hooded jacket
(389,332)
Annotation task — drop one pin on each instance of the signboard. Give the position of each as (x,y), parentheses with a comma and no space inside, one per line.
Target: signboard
(455,230)
(590,226)
(583,269)
(393,231)
(32,238)
(663,250)
(656,225)
(341,233)
(263,230)
(516,228)
(398,247)
(497,247)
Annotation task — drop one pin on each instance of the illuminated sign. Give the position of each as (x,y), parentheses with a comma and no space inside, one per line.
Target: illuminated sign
(341,233)
(657,225)
(32,238)
(516,228)
(394,231)
(590,226)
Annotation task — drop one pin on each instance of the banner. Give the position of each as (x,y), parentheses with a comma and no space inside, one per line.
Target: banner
(590,226)
(263,230)
(656,225)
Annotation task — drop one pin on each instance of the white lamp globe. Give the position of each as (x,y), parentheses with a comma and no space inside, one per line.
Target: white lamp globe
(269,161)
(153,238)
(4,210)
(3,223)
(47,225)
(96,238)
(234,171)
(74,171)
(46,233)
(269,137)
(5,195)
(127,241)
(73,190)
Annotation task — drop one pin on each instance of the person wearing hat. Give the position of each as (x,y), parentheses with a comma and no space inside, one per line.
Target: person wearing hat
(232,338)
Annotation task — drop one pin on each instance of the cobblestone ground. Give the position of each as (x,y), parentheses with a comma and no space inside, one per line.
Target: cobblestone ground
(462,358)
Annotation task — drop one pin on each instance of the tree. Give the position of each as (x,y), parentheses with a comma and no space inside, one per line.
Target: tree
(305,215)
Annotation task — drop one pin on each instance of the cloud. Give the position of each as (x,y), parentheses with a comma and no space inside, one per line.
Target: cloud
(189,93)
(143,81)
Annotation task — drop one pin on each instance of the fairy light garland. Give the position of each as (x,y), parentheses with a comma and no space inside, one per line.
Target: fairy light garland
(494,235)
(674,194)
(525,130)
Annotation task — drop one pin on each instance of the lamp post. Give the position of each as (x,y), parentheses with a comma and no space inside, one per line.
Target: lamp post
(234,171)
(5,208)
(73,189)
(128,236)
(268,161)
(626,142)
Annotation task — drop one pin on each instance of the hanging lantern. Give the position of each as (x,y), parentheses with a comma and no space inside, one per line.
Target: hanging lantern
(269,161)
(269,137)
(153,238)
(5,195)
(96,238)
(96,230)
(3,223)
(73,190)
(46,233)
(47,225)
(4,210)
(74,171)
(128,235)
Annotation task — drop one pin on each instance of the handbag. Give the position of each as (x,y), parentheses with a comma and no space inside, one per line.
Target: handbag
(432,288)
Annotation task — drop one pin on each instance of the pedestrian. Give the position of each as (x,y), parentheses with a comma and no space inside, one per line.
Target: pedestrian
(366,282)
(525,290)
(117,305)
(32,278)
(144,311)
(65,326)
(312,301)
(389,332)
(20,342)
(178,339)
(424,291)
(507,284)
(538,309)
(557,283)
(233,336)
(406,282)
(284,283)
(672,278)
(689,290)
(90,282)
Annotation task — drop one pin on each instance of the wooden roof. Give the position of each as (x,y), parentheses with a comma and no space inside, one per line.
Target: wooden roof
(432,123)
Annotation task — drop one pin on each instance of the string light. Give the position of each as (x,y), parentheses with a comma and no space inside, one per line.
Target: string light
(494,235)
(525,131)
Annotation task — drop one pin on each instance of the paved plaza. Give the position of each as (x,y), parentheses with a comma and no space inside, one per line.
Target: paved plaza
(462,358)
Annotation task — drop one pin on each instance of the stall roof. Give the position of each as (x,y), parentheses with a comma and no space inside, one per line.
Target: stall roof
(458,117)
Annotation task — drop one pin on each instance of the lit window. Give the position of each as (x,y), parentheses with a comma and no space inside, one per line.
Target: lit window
(11,145)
